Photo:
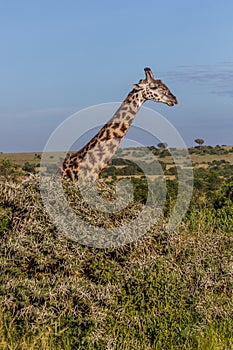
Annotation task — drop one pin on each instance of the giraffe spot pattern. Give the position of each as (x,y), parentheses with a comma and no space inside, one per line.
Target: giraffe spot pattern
(95,156)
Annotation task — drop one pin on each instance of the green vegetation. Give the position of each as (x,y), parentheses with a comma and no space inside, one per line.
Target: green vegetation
(164,291)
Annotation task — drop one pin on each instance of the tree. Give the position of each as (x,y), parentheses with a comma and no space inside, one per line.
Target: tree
(37,156)
(199,141)
(162,145)
(224,196)
(6,167)
(29,167)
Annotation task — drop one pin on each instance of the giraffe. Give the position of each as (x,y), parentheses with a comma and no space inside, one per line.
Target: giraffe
(89,162)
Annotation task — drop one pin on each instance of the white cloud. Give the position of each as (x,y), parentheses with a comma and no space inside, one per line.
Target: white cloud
(218,77)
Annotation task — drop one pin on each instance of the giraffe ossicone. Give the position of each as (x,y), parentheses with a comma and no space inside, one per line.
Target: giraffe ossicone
(88,163)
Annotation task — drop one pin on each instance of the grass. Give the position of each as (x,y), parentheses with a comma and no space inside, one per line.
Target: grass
(33,157)
(199,159)
(164,291)
(20,158)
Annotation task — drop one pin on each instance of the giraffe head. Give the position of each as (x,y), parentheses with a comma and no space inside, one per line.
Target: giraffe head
(155,90)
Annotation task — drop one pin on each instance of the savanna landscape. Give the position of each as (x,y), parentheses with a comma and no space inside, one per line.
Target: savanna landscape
(165,290)
(122,239)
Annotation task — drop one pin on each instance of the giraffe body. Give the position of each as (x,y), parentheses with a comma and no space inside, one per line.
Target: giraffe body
(89,162)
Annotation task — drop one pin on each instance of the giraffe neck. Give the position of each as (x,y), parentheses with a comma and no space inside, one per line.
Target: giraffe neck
(90,161)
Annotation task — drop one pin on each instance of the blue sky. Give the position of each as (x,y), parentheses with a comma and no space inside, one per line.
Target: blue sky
(59,57)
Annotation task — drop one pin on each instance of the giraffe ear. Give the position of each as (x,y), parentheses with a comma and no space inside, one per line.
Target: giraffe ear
(137,86)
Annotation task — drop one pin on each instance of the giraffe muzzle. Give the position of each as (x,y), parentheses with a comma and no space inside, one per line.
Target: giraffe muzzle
(172,102)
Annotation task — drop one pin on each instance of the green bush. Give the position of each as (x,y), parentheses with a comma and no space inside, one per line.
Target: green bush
(4,224)
(165,291)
